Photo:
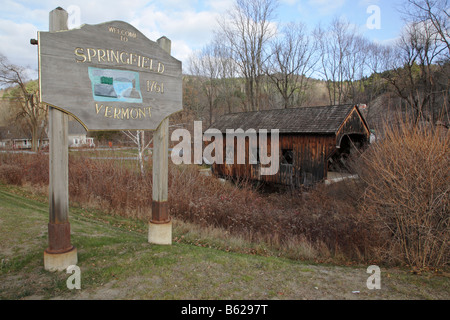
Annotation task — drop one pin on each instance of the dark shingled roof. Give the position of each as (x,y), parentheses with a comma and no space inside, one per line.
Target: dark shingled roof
(13,132)
(322,120)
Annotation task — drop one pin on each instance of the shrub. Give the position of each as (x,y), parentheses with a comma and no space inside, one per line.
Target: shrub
(320,220)
(11,174)
(407,192)
(111,185)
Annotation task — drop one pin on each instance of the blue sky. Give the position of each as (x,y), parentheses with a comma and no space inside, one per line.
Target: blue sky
(188,23)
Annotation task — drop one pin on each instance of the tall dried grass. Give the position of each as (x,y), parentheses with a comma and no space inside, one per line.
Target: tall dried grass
(319,224)
(326,223)
(112,185)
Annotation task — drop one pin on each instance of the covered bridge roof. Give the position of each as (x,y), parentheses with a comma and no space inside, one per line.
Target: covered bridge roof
(323,120)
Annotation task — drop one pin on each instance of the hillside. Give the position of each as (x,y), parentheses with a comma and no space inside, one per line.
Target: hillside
(116,262)
(4,108)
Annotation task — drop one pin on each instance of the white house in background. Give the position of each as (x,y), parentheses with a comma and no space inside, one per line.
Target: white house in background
(78,136)
(12,137)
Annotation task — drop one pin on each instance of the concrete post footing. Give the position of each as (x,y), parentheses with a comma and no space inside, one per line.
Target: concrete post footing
(60,261)
(160,233)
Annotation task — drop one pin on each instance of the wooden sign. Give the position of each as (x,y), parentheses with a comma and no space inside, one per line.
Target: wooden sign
(109,77)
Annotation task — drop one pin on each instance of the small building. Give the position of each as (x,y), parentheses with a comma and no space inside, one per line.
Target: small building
(78,136)
(13,137)
(313,141)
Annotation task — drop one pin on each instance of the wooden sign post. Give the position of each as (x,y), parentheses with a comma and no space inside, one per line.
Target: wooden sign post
(60,253)
(160,226)
(108,76)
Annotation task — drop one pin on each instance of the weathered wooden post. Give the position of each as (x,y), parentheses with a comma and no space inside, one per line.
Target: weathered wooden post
(60,253)
(160,225)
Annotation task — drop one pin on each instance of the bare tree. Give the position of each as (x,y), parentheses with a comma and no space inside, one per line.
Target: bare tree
(356,67)
(414,68)
(229,90)
(434,12)
(26,96)
(138,138)
(342,55)
(206,66)
(292,62)
(193,97)
(246,31)
(377,62)
(420,72)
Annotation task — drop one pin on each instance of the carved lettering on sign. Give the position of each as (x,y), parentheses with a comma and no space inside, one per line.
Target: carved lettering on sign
(123,113)
(98,55)
(123,33)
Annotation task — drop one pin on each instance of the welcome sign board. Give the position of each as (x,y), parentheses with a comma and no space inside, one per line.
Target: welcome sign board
(109,77)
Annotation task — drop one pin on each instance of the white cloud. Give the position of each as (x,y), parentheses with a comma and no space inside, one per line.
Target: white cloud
(366,3)
(94,12)
(15,40)
(12,10)
(219,6)
(303,9)
(181,50)
(289,2)
(191,26)
(182,28)
(327,7)
(180,4)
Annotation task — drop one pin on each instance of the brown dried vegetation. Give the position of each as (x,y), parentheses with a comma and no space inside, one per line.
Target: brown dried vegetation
(397,213)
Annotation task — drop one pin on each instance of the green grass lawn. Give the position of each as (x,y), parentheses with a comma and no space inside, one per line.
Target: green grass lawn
(117,262)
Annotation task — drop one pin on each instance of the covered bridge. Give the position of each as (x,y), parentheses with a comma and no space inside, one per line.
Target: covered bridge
(312,142)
